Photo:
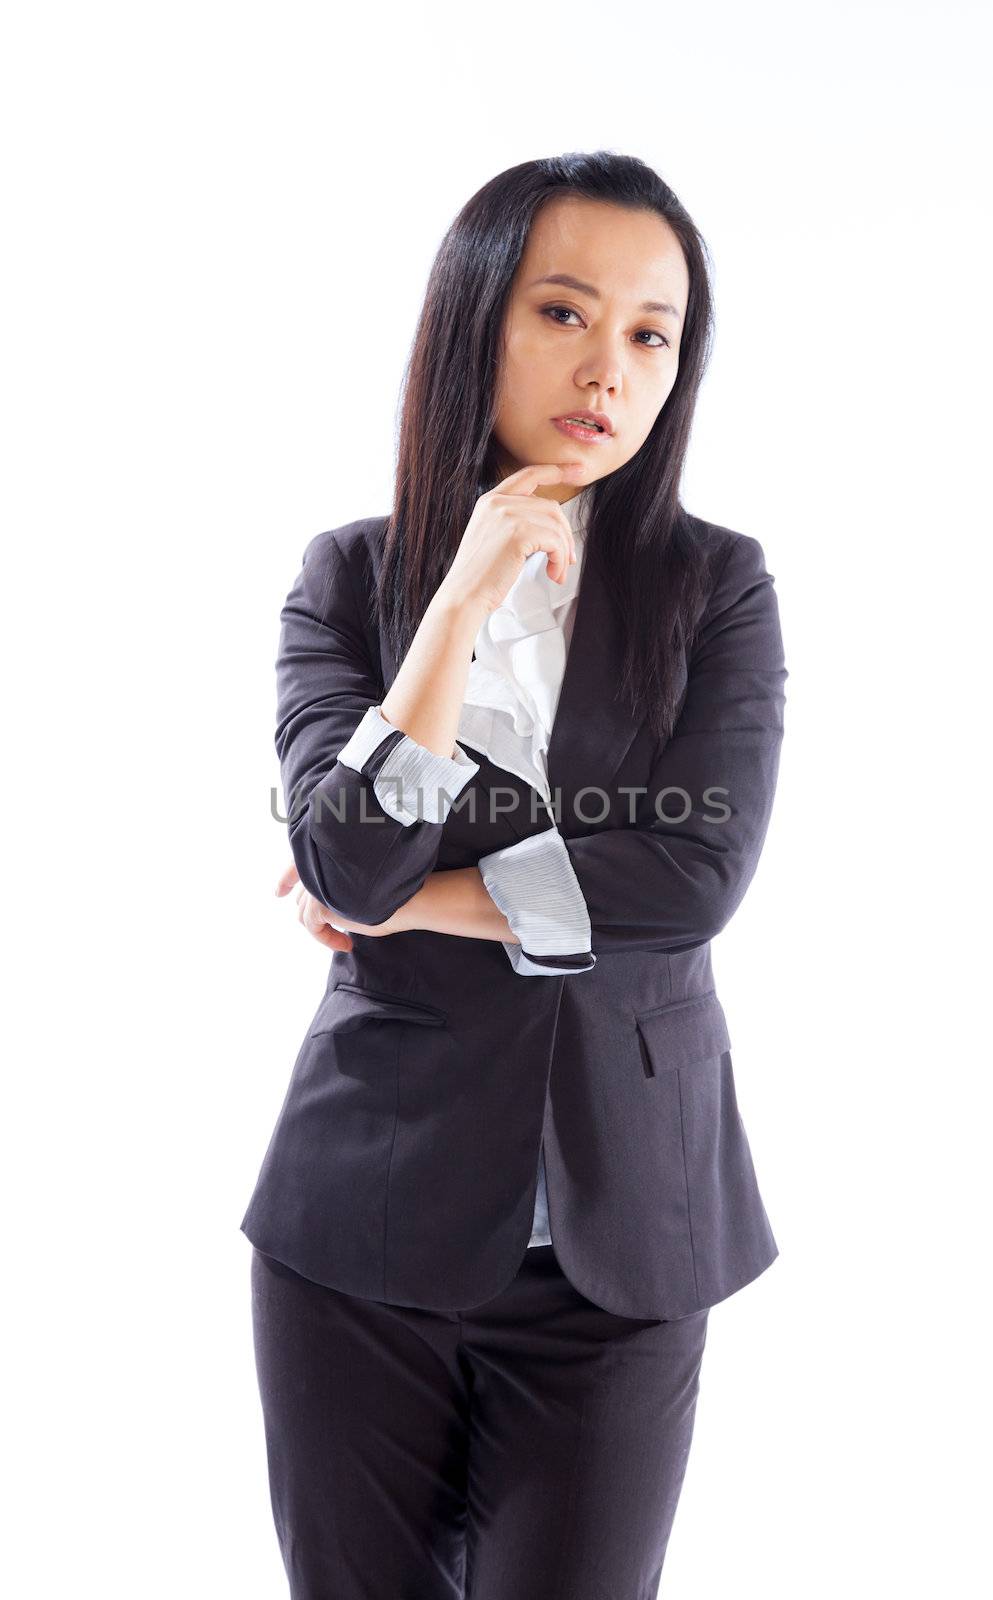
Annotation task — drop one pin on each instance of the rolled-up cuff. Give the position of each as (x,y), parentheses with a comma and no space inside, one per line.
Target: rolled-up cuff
(547,966)
(533,883)
(413,784)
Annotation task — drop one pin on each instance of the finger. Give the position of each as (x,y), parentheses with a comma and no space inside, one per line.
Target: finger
(311,914)
(527,479)
(562,554)
(569,556)
(289,878)
(563,557)
(317,918)
(321,928)
(559,561)
(561,520)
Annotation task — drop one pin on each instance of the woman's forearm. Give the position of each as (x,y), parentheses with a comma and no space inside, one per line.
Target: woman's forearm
(457,902)
(425,698)
(425,701)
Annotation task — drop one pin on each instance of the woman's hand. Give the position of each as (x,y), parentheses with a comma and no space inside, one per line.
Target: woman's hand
(508,524)
(455,902)
(318,919)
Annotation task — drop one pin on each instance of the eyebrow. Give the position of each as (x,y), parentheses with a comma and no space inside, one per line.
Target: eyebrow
(569,282)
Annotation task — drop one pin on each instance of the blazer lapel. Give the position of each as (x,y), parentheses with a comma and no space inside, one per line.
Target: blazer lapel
(592,731)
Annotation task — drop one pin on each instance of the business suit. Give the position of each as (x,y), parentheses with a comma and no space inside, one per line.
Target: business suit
(404,1332)
(403,1164)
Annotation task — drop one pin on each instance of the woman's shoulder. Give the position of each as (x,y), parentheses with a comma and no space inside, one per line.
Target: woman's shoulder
(354,543)
(722,544)
(336,581)
(351,553)
(739,588)
(736,560)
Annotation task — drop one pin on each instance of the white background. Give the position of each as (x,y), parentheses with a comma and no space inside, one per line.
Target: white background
(219,224)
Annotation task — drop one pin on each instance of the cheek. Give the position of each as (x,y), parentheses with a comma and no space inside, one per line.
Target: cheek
(656,394)
(524,373)
(525,351)
(647,416)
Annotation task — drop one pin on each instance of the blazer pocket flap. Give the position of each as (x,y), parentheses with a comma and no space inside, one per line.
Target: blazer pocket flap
(349,1006)
(685,1032)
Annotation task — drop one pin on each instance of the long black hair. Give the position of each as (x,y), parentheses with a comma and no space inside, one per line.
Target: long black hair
(639,533)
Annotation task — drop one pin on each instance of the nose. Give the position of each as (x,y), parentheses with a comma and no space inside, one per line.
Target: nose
(605,377)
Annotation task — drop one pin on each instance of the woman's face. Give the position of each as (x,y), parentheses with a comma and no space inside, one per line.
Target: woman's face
(594,347)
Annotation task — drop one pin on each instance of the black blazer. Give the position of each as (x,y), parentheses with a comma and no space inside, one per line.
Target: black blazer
(404,1160)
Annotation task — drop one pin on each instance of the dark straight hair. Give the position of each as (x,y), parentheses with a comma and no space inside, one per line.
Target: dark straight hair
(655,570)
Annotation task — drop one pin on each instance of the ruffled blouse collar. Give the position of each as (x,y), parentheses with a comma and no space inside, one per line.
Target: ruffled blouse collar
(514,682)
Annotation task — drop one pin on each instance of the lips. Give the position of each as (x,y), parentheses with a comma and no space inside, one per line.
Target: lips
(598,419)
(583,432)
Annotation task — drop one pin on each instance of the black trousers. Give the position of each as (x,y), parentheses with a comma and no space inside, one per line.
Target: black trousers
(532,1448)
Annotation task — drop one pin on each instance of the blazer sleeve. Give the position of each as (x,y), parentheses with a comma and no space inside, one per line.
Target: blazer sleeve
(674,877)
(366,804)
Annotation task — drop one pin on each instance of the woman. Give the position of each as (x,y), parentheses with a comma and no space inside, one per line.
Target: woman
(529,729)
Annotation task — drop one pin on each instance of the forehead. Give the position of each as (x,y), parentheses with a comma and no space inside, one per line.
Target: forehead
(626,254)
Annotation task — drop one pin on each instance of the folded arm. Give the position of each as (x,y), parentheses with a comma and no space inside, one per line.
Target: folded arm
(661,884)
(366,803)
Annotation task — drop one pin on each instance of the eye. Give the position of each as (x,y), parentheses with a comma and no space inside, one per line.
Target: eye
(549,311)
(662,336)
